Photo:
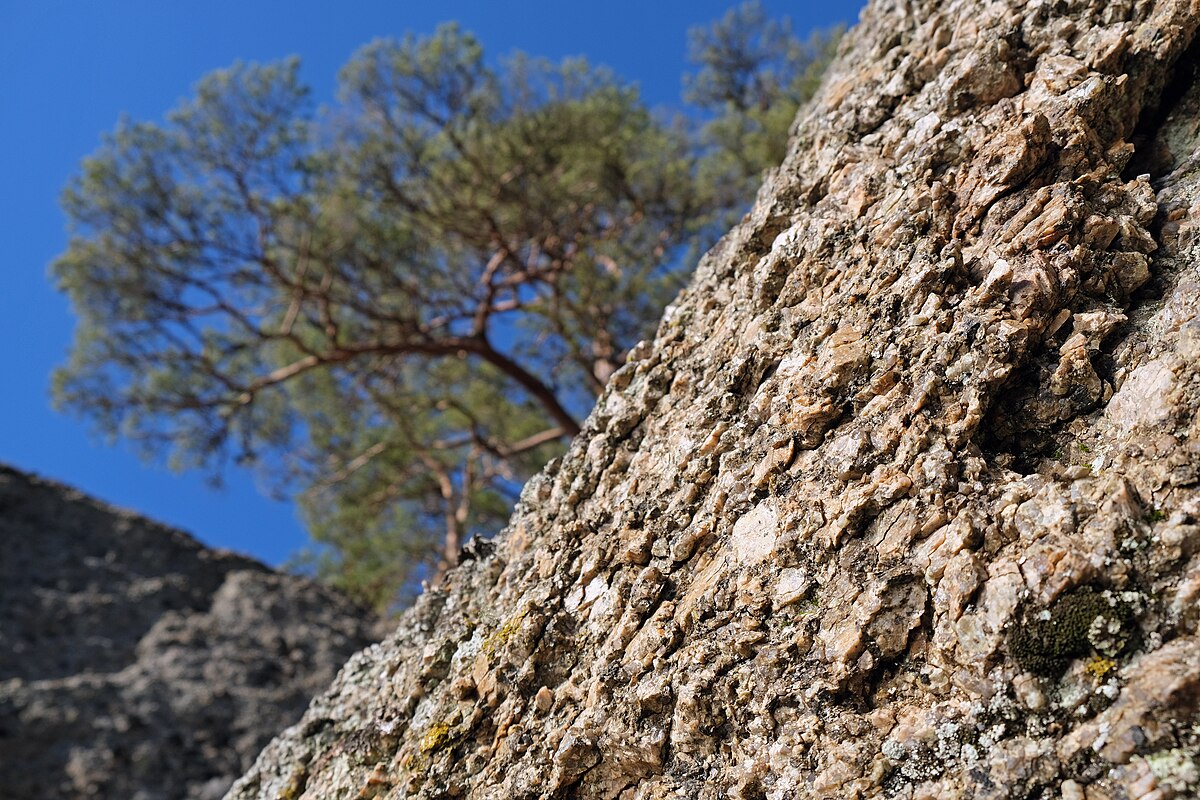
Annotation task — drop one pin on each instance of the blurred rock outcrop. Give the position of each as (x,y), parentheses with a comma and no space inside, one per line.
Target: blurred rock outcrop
(137,664)
(904,499)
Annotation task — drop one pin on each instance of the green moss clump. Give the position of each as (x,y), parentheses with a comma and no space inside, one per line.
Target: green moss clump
(1046,643)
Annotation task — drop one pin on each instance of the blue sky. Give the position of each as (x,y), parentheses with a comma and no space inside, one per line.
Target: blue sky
(69,69)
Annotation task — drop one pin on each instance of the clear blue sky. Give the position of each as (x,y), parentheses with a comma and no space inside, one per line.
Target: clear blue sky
(69,69)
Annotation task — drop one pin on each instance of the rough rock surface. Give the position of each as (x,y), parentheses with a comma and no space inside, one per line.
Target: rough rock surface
(904,498)
(137,664)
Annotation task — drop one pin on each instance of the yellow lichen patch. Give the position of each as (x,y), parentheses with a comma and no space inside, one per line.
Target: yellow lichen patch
(1100,667)
(436,737)
(295,785)
(504,633)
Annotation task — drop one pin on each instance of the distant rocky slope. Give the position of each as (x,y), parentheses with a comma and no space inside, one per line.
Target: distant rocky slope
(137,664)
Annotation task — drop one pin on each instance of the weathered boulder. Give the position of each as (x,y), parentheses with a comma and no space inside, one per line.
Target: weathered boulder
(904,498)
(135,663)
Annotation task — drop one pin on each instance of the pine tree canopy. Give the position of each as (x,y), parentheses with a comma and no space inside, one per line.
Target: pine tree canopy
(401,305)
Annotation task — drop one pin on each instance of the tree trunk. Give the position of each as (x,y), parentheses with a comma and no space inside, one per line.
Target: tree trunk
(903,500)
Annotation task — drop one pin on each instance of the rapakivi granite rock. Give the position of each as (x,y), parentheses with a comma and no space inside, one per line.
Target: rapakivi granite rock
(903,500)
(137,664)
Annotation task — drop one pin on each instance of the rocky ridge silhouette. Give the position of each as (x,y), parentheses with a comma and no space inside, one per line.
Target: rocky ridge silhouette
(136,663)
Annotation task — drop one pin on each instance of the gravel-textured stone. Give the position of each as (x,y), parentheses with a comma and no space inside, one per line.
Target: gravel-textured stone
(904,498)
(137,664)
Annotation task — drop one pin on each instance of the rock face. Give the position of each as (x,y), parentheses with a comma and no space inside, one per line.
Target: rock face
(904,498)
(136,664)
